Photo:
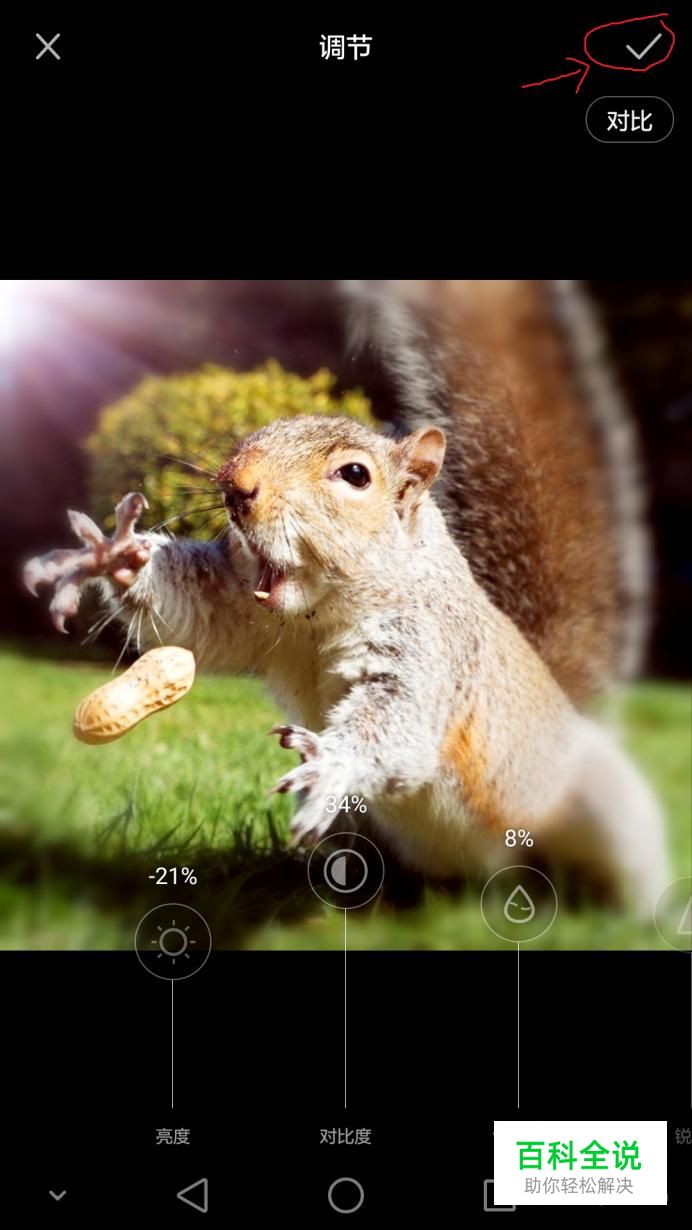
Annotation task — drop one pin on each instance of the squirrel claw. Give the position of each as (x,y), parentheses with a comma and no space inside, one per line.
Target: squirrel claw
(31,576)
(66,570)
(316,781)
(127,514)
(84,528)
(299,739)
(303,778)
(47,569)
(309,826)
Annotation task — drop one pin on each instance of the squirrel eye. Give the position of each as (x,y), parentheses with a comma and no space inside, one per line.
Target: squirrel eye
(354,473)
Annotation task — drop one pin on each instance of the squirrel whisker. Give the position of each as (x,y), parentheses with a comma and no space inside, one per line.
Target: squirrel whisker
(181,462)
(154,625)
(100,625)
(127,642)
(189,512)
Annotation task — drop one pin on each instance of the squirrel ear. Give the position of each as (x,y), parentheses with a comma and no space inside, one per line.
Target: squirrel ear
(420,461)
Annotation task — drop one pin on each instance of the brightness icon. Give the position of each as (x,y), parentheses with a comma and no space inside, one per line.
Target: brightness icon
(176,932)
(173,942)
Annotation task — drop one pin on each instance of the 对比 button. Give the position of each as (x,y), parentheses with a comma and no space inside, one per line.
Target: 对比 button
(630,119)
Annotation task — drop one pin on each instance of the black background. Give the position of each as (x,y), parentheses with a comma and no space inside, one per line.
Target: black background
(207,144)
(199,145)
(259,1071)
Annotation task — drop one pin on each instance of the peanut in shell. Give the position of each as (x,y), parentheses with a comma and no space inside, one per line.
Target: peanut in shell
(155,681)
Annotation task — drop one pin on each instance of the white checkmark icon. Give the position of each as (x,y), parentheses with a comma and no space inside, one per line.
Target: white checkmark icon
(640,54)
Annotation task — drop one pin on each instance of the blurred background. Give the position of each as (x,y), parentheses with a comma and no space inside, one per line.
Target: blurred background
(67,349)
(70,348)
(77,830)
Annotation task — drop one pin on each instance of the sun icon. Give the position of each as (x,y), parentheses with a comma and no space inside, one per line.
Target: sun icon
(176,932)
(173,942)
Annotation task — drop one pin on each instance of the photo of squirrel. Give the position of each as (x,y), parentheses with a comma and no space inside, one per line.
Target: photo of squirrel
(437,608)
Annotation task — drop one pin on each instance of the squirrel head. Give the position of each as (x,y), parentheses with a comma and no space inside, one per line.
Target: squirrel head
(316,502)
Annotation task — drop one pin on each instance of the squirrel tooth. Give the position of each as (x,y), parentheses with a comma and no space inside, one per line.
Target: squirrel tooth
(260,593)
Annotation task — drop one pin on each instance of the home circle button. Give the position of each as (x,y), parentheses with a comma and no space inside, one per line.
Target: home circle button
(346,1195)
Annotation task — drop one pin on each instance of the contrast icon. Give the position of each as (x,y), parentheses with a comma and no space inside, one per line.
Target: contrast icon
(345,870)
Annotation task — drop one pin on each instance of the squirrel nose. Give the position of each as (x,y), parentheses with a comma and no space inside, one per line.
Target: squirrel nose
(238,499)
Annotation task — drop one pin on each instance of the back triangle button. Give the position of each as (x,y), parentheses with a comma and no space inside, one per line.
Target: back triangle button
(201,1203)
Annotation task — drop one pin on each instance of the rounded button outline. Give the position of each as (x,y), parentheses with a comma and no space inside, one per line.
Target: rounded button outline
(675,947)
(341,853)
(346,1179)
(345,905)
(519,867)
(172,905)
(638,98)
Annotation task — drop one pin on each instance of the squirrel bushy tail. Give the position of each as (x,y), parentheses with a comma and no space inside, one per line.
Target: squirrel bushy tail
(540,485)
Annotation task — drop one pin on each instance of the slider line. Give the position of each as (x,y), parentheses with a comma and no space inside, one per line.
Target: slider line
(345,1019)
(172,1100)
(518,1032)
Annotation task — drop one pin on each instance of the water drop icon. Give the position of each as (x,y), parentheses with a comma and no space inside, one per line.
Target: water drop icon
(519,907)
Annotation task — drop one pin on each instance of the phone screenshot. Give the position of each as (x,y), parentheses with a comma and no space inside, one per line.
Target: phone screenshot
(345,711)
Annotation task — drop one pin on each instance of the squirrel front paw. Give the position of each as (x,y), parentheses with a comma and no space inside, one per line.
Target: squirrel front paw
(119,557)
(321,778)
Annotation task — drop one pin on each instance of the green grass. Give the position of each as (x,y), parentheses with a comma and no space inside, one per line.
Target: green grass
(81,828)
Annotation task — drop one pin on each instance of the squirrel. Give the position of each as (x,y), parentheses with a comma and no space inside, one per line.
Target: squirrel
(435,606)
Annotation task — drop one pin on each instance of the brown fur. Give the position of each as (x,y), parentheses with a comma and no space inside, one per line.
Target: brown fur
(527,474)
(463,752)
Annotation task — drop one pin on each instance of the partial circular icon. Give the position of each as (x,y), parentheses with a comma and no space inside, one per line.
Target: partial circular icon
(519,904)
(346,870)
(172,941)
(673,914)
(346,1195)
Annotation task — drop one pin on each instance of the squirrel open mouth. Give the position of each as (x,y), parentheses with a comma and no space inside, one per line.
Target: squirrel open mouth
(268,582)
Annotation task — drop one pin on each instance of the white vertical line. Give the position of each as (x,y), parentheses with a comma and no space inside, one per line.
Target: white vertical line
(172,1100)
(518,1030)
(345,1024)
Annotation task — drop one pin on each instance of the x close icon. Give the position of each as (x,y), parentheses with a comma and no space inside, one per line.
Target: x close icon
(48,46)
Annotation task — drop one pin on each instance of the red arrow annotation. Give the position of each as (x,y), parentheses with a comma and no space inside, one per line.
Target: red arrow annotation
(585,66)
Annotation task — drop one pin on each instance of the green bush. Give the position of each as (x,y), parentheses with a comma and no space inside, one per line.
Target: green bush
(142,441)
